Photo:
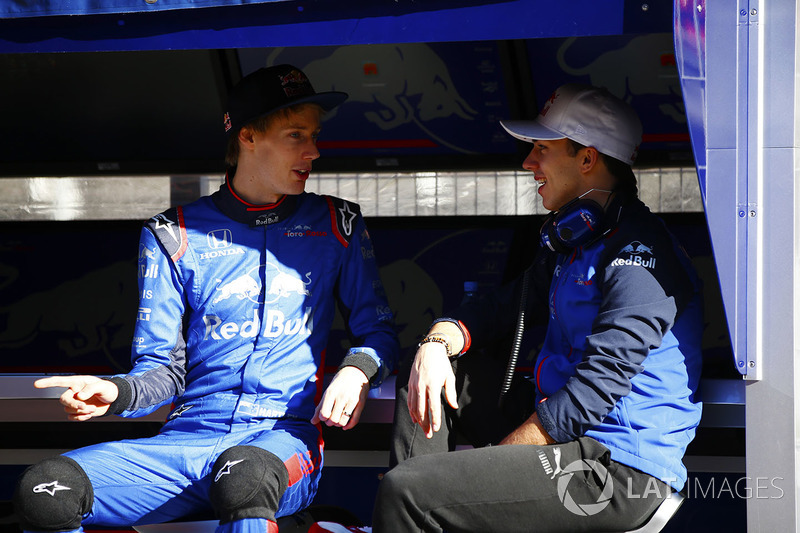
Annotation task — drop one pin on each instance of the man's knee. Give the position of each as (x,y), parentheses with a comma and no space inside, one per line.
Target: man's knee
(53,495)
(247,482)
(396,507)
(397,483)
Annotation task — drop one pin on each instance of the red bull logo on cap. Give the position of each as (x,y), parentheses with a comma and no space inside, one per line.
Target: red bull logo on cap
(550,101)
(295,83)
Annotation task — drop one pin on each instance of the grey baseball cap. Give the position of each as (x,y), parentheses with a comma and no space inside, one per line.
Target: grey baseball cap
(588,115)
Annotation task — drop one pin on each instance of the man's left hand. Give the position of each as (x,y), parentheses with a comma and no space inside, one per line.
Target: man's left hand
(344,399)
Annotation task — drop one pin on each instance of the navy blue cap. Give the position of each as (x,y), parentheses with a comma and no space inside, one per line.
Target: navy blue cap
(269,89)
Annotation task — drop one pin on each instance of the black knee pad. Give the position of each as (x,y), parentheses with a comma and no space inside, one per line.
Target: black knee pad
(247,482)
(53,495)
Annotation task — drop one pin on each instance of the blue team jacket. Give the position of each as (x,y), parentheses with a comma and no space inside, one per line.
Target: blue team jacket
(236,305)
(621,358)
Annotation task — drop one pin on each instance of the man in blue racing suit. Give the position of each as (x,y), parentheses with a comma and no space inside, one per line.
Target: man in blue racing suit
(238,293)
(595,440)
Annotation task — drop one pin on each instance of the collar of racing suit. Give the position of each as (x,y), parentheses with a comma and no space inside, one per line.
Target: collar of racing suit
(232,205)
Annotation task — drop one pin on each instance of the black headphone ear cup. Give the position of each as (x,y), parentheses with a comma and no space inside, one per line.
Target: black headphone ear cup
(577,224)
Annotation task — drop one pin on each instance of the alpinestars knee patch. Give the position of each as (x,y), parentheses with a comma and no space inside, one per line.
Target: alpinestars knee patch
(247,482)
(53,495)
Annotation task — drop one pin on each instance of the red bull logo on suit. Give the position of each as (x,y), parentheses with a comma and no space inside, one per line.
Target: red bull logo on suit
(275,325)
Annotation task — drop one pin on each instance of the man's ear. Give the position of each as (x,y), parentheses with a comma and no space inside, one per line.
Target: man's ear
(246,136)
(589,158)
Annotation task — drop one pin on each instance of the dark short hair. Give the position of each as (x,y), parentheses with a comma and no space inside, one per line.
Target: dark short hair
(622,171)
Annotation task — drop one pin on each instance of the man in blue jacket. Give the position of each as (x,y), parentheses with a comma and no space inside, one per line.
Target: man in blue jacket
(595,440)
(238,292)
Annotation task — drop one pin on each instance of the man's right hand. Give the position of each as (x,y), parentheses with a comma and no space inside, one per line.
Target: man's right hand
(86,396)
(430,373)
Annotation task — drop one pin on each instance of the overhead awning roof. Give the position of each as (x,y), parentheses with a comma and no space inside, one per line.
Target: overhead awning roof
(108,25)
(44,8)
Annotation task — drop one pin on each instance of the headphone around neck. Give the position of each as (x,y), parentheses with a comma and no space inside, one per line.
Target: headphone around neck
(580,222)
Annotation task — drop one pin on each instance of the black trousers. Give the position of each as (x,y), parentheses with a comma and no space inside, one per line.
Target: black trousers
(565,487)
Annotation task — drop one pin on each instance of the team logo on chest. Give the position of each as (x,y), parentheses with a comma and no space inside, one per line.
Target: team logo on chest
(247,286)
(285,283)
(295,317)
(220,244)
(281,283)
(636,254)
(303,230)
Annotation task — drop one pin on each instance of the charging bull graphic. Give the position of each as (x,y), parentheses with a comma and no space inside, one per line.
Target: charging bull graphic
(92,313)
(281,283)
(654,72)
(242,287)
(402,83)
(637,247)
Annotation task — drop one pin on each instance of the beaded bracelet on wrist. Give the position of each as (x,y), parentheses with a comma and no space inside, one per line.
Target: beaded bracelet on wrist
(464,333)
(440,340)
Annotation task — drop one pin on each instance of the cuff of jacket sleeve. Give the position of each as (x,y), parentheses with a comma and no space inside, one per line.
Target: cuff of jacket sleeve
(363,362)
(124,396)
(548,423)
